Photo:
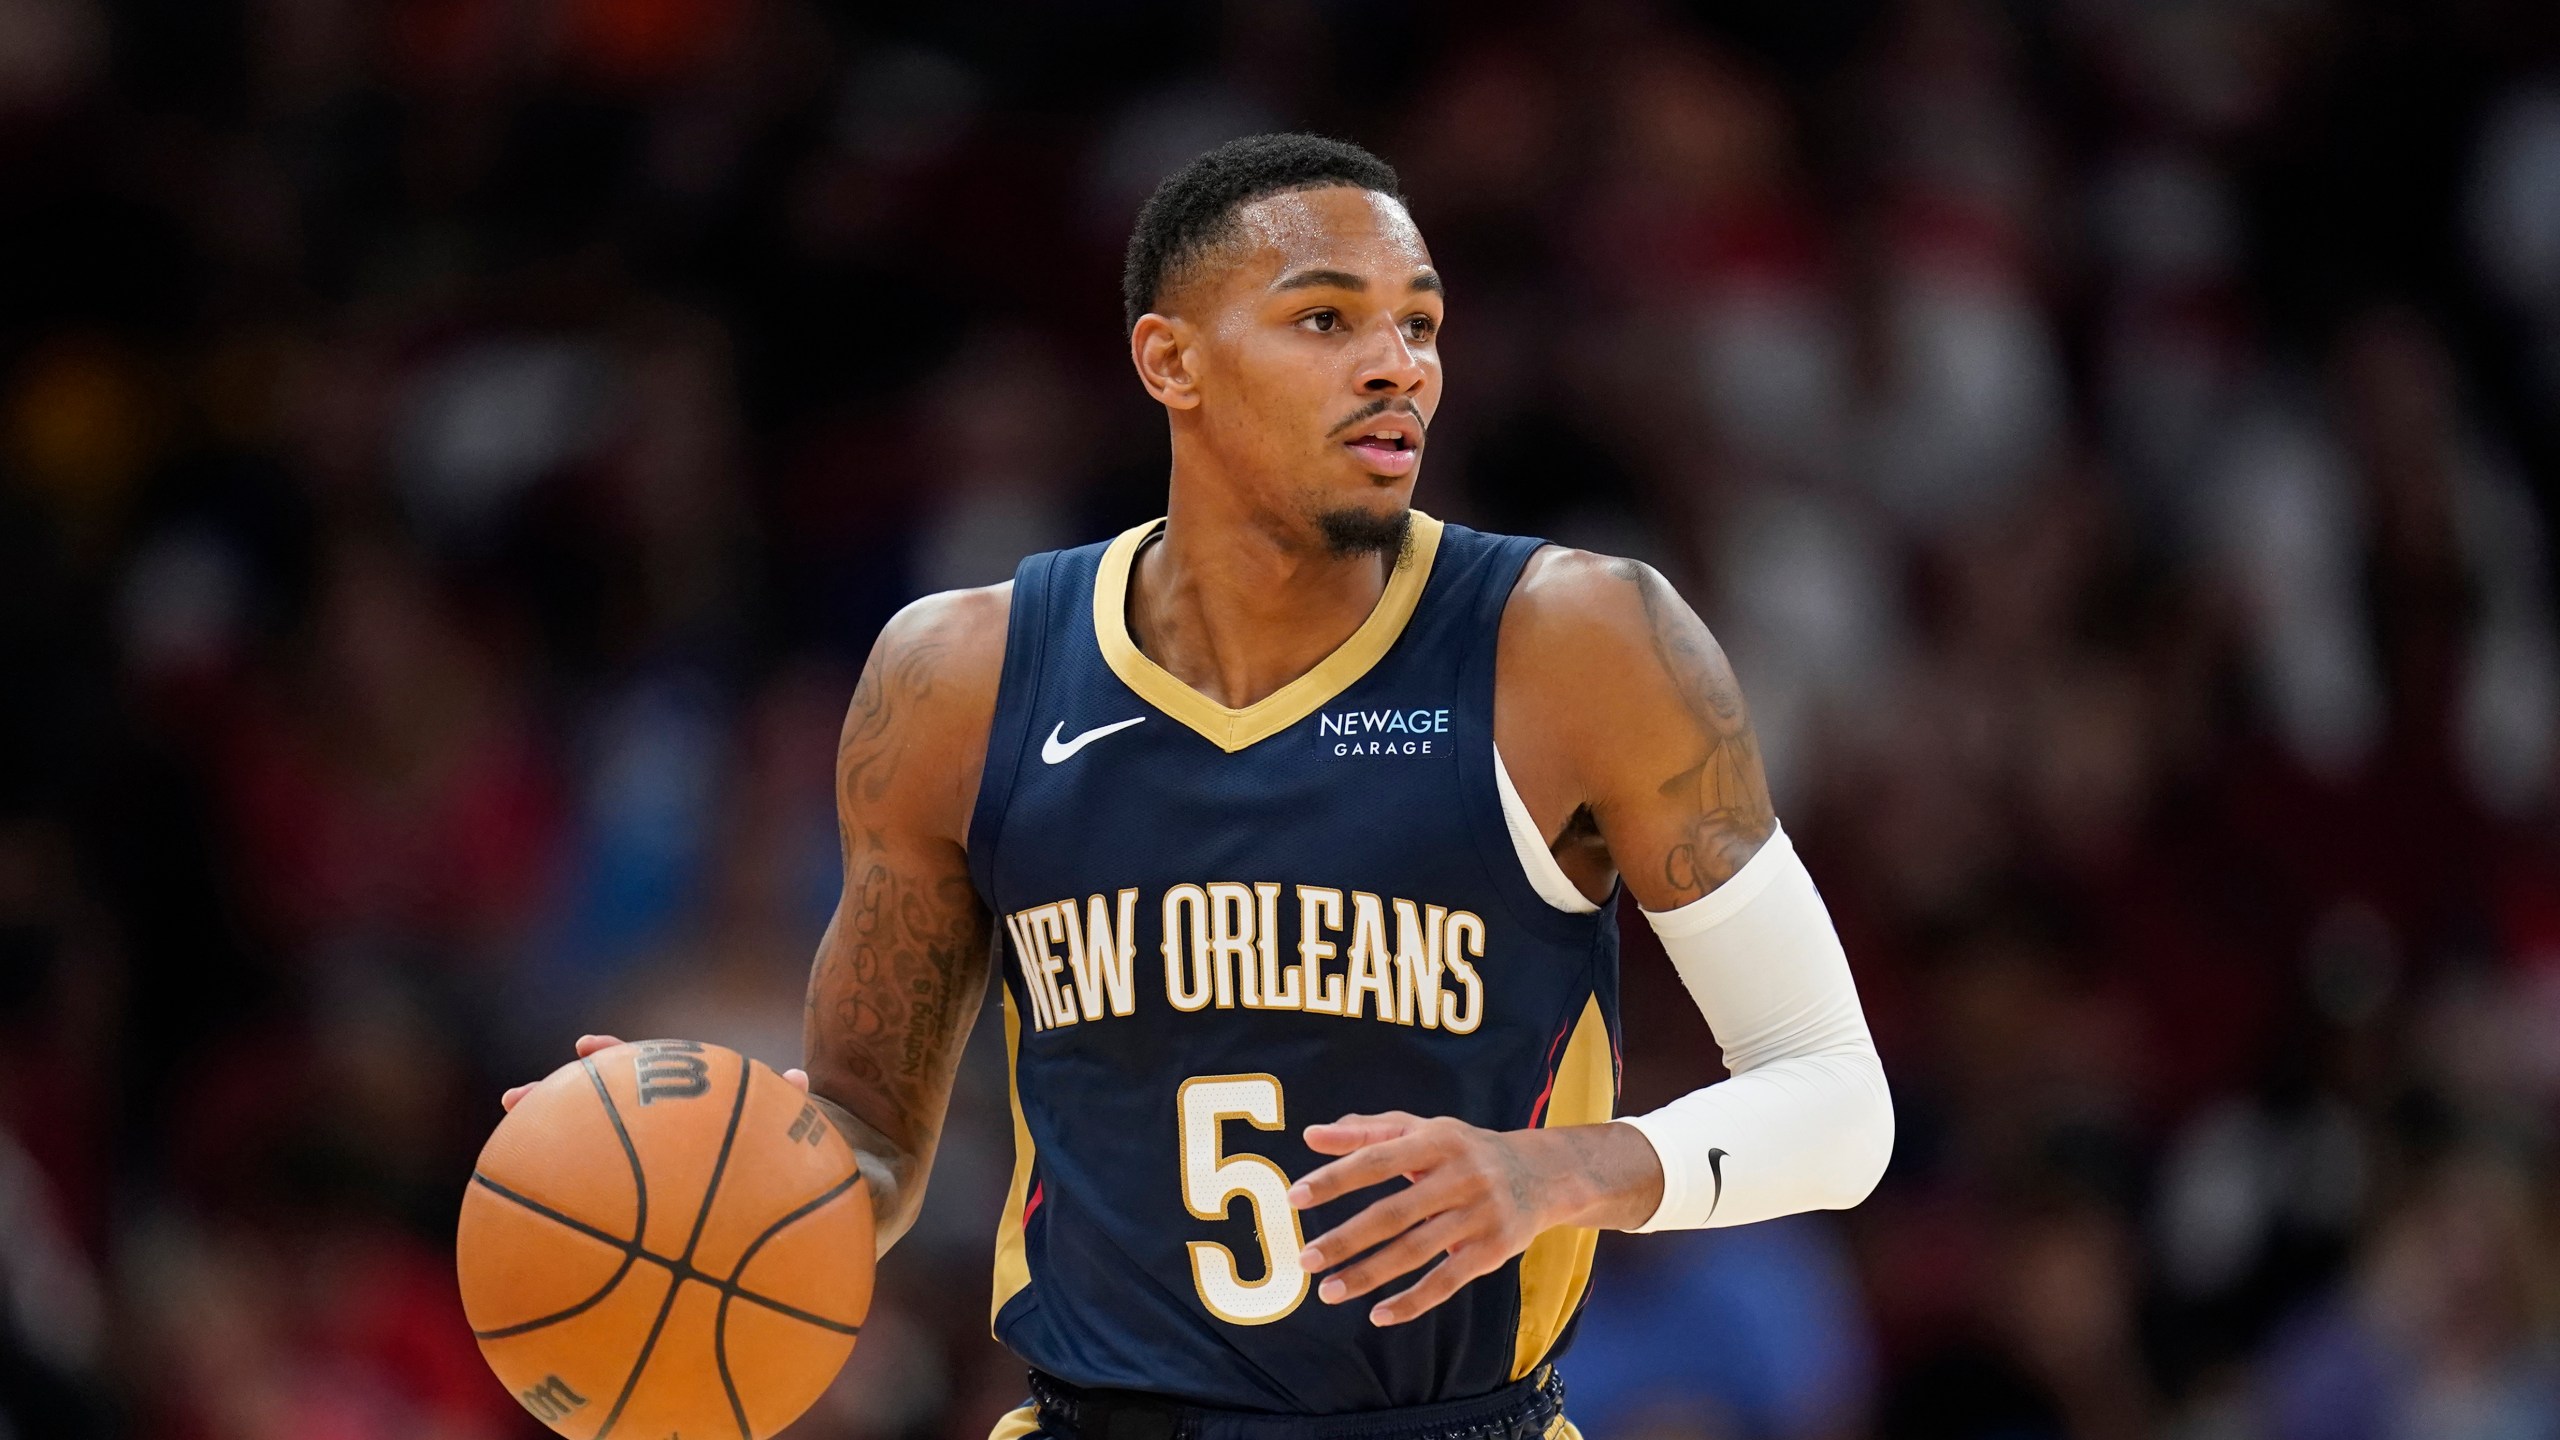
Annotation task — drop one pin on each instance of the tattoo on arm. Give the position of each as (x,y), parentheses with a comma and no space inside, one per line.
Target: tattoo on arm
(872,747)
(1723,791)
(904,962)
(899,979)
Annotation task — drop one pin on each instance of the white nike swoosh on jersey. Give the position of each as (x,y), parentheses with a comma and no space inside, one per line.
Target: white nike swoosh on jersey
(1053,752)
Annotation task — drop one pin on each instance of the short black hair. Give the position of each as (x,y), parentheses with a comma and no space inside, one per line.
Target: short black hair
(1194,210)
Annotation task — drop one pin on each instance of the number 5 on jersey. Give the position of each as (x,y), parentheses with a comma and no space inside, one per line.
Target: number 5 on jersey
(1211,1178)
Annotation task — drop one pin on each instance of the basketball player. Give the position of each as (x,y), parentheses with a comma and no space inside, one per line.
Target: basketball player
(1293,824)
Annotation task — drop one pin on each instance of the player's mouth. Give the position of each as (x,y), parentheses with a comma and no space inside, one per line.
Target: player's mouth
(1389,445)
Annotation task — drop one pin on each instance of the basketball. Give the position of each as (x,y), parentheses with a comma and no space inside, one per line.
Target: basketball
(663,1239)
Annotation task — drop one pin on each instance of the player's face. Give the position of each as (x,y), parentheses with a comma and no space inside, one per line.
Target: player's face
(1321,351)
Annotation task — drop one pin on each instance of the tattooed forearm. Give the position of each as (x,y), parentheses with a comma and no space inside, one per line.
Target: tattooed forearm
(901,970)
(898,979)
(1722,791)
(903,964)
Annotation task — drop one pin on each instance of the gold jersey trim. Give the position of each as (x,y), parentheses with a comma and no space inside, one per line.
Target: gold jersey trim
(1556,1268)
(1233,729)
(1013,1262)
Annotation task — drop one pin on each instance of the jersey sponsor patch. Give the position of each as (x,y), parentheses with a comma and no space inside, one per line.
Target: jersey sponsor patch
(1393,731)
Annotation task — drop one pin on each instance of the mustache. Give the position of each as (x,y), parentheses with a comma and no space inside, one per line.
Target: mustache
(1378,407)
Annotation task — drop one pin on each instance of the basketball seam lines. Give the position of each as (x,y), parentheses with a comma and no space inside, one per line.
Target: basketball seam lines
(675,1281)
(702,1217)
(720,1317)
(504,1332)
(720,1324)
(679,1270)
(720,1163)
(627,1247)
(640,1225)
(632,1382)
(720,1359)
(630,1152)
(815,1204)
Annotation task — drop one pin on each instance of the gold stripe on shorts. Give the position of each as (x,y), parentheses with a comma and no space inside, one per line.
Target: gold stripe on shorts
(1026,1421)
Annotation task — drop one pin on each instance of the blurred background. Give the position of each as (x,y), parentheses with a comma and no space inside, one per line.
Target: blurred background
(454,455)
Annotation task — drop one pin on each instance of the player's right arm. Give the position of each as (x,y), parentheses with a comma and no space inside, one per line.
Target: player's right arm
(903,965)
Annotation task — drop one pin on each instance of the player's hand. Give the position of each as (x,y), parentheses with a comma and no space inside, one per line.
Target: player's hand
(1477,1198)
(590,1044)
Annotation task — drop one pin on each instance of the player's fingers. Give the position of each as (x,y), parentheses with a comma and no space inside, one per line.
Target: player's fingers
(1461,1265)
(1342,1139)
(1374,1225)
(1349,1133)
(590,1044)
(1369,1165)
(508,1100)
(1385,1122)
(798,1077)
(1403,1255)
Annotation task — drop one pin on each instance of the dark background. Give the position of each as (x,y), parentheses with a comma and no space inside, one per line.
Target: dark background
(455,453)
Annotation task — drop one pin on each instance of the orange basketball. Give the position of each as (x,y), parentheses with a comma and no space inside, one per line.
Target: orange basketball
(664,1239)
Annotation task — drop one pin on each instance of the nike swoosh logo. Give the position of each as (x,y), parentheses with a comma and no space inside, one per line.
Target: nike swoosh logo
(1052,751)
(1715,1167)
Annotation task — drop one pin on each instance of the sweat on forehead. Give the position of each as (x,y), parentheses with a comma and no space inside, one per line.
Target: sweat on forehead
(1301,224)
(1278,235)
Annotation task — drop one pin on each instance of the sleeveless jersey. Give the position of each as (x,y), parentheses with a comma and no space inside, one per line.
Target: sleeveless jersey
(1219,926)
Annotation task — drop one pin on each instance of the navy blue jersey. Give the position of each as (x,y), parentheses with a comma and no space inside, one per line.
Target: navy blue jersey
(1219,926)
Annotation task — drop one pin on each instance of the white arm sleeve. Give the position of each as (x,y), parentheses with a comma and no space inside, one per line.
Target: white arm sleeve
(1805,1122)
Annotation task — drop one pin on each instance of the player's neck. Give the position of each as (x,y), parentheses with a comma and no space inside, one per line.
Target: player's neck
(1237,604)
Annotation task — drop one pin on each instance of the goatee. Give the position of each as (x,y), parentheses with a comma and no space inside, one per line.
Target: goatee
(1350,532)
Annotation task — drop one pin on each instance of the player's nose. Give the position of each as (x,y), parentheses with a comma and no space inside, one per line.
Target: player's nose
(1389,366)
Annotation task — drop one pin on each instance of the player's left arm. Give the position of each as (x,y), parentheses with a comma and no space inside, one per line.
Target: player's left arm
(1629,728)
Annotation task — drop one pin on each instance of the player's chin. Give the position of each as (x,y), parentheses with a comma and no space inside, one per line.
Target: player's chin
(1384,496)
(1368,516)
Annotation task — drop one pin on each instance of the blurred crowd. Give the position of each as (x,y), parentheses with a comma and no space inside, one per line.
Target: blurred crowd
(454,455)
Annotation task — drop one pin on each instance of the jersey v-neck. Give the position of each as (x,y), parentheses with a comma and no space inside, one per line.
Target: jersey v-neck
(1230,728)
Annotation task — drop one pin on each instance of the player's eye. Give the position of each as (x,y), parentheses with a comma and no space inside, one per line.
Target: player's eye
(1323,322)
(1420,327)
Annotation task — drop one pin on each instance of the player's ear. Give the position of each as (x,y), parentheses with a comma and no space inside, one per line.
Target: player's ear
(1160,346)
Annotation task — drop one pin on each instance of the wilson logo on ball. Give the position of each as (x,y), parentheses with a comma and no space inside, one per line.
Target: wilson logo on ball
(552,1399)
(671,1070)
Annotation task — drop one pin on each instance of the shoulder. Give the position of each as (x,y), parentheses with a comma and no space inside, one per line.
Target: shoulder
(946,649)
(1575,612)
(1559,578)
(965,629)
(918,722)
(1613,678)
